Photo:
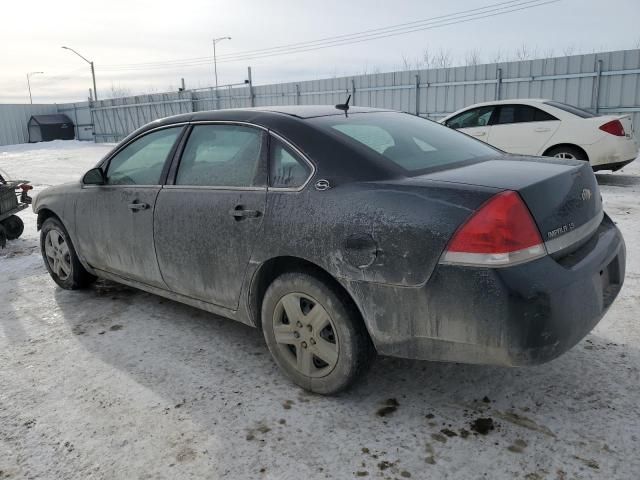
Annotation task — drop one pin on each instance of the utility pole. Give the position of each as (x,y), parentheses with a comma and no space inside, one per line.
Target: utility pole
(93,72)
(29,84)
(215,65)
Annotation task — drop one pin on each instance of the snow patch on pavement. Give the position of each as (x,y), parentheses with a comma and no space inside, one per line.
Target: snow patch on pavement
(116,383)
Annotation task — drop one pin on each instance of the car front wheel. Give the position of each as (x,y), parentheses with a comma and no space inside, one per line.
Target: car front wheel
(60,257)
(314,333)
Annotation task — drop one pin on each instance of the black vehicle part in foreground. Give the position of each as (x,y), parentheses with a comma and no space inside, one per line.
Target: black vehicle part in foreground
(13,198)
(341,232)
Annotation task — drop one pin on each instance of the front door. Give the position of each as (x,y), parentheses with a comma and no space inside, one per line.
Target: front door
(473,122)
(114,222)
(208,221)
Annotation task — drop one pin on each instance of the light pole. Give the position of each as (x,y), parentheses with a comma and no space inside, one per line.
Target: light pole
(215,66)
(29,84)
(93,73)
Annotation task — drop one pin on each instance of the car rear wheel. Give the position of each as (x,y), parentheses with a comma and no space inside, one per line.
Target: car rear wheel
(314,333)
(60,257)
(13,227)
(568,152)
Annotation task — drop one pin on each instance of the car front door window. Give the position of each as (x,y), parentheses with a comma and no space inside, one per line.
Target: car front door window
(476,117)
(141,162)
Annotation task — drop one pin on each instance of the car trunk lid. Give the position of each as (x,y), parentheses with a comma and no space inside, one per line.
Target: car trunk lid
(562,196)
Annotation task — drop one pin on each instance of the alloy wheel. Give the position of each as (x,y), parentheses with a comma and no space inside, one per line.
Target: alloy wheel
(58,255)
(564,155)
(306,335)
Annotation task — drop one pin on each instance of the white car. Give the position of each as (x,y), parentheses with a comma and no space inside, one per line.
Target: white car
(549,128)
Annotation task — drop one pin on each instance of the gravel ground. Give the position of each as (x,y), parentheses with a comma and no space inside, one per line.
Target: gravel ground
(115,383)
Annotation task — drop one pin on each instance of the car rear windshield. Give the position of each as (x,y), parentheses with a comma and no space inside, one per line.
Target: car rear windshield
(412,143)
(571,109)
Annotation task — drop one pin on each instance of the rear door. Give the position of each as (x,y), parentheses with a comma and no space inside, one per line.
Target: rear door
(521,129)
(474,122)
(209,218)
(114,222)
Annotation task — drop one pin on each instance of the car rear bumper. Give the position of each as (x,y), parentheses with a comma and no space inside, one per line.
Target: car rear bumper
(611,151)
(522,315)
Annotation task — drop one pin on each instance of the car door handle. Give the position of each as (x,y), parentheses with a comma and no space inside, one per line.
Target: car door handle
(239,213)
(135,206)
(478,134)
(542,129)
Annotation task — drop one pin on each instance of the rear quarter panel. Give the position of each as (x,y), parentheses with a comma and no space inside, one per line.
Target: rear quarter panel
(383,232)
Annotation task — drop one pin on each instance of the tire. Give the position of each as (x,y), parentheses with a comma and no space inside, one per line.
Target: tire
(60,257)
(3,237)
(567,152)
(13,226)
(326,349)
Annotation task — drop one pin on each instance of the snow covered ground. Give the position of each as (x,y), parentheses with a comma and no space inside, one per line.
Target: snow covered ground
(119,384)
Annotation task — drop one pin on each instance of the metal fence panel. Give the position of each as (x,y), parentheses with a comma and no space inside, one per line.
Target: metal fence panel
(14,119)
(606,83)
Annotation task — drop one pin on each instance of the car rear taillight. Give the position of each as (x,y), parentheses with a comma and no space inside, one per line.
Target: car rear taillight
(501,233)
(614,127)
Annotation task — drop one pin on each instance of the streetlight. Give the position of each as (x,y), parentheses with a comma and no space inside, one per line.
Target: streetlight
(93,73)
(29,84)
(215,66)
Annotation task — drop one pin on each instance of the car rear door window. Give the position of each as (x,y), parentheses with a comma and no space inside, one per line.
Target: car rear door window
(221,156)
(141,162)
(476,117)
(521,114)
(287,169)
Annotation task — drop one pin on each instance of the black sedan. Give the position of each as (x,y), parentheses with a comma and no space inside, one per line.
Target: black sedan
(345,232)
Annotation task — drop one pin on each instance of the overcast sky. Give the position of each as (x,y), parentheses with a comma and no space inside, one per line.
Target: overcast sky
(117,32)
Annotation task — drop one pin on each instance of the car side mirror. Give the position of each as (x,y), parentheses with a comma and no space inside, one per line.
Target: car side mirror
(95,176)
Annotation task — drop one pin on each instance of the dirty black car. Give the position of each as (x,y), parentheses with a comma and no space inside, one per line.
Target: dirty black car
(342,234)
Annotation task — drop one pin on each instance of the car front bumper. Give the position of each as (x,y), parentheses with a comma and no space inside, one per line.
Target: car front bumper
(522,315)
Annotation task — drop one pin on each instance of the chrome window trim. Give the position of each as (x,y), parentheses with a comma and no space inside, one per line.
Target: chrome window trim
(146,132)
(566,240)
(218,187)
(301,155)
(212,187)
(121,186)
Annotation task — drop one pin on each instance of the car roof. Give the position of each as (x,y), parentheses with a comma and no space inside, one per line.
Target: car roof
(310,111)
(262,115)
(524,101)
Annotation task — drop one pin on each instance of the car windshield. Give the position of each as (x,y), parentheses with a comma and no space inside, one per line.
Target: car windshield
(412,143)
(571,109)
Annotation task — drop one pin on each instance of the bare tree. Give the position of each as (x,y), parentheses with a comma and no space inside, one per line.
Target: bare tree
(569,50)
(118,91)
(472,58)
(443,59)
(637,45)
(406,63)
(497,57)
(525,52)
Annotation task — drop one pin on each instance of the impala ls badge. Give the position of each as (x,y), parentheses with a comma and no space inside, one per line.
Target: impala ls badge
(586,194)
